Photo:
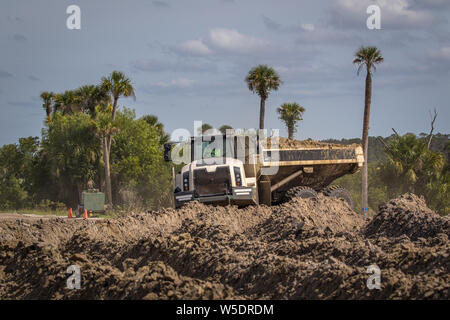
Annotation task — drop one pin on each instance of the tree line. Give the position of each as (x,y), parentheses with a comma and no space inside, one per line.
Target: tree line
(86,143)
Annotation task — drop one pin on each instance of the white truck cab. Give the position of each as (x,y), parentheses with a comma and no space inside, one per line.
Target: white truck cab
(206,181)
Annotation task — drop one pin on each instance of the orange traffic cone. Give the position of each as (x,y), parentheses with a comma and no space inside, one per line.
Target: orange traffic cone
(85,214)
(69,215)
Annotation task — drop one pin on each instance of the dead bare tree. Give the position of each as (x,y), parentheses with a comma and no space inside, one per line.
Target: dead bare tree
(433,119)
(396,133)
(386,146)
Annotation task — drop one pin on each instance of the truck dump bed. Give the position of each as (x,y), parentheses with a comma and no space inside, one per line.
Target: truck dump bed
(320,163)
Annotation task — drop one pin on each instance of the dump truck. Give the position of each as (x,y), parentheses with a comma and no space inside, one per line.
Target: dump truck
(244,170)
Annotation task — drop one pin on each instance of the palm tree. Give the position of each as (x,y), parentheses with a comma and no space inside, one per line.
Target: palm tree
(106,127)
(411,167)
(48,98)
(367,57)
(90,96)
(66,102)
(117,85)
(153,121)
(223,129)
(204,128)
(262,80)
(290,114)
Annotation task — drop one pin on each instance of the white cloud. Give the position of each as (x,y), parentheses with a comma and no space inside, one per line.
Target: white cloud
(441,54)
(185,65)
(232,40)
(196,47)
(176,83)
(434,4)
(326,36)
(307,27)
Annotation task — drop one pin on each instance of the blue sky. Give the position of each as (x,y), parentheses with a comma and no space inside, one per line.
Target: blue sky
(188,60)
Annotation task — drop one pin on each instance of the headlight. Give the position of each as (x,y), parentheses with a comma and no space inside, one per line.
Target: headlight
(186,181)
(237,176)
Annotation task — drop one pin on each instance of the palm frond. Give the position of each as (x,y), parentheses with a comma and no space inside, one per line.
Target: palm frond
(263,79)
(369,57)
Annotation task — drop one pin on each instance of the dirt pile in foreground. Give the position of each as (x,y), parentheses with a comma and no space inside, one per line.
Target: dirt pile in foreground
(307,248)
(407,215)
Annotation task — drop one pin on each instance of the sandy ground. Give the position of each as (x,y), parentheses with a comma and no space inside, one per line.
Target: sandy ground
(34,217)
(303,249)
(31,217)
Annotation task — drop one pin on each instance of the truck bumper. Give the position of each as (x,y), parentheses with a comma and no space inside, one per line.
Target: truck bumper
(182,198)
(239,196)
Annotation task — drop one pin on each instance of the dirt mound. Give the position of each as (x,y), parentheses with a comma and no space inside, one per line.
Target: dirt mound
(304,249)
(407,215)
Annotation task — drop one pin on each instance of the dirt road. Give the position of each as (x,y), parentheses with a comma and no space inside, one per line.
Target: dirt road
(304,249)
(18,216)
(35,217)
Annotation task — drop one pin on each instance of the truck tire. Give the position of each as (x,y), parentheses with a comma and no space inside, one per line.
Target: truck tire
(340,193)
(300,192)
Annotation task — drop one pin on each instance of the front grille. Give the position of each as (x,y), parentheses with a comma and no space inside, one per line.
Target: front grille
(212,183)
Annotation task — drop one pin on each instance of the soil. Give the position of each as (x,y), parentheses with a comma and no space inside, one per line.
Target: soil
(286,143)
(304,249)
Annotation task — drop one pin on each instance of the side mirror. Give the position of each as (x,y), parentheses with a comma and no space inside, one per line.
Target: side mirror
(167,150)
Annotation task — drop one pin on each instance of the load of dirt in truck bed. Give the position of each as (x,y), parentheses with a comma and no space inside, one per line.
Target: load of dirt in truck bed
(286,143)
(304,249)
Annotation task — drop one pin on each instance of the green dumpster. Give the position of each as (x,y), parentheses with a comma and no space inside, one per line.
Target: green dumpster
(93,201)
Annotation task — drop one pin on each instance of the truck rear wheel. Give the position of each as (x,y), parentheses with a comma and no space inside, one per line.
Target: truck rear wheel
(340,193)
(300,192)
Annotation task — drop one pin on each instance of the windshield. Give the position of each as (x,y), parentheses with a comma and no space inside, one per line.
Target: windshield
(210,150)
(212,147)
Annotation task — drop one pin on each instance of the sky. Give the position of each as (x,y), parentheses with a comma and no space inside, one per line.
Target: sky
(188,59)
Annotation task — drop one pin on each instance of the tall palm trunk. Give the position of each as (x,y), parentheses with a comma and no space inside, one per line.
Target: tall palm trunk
(291,132)
(114,108)
(365,139)
(106,153)
(48,110)
(107,170)
(262,110)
